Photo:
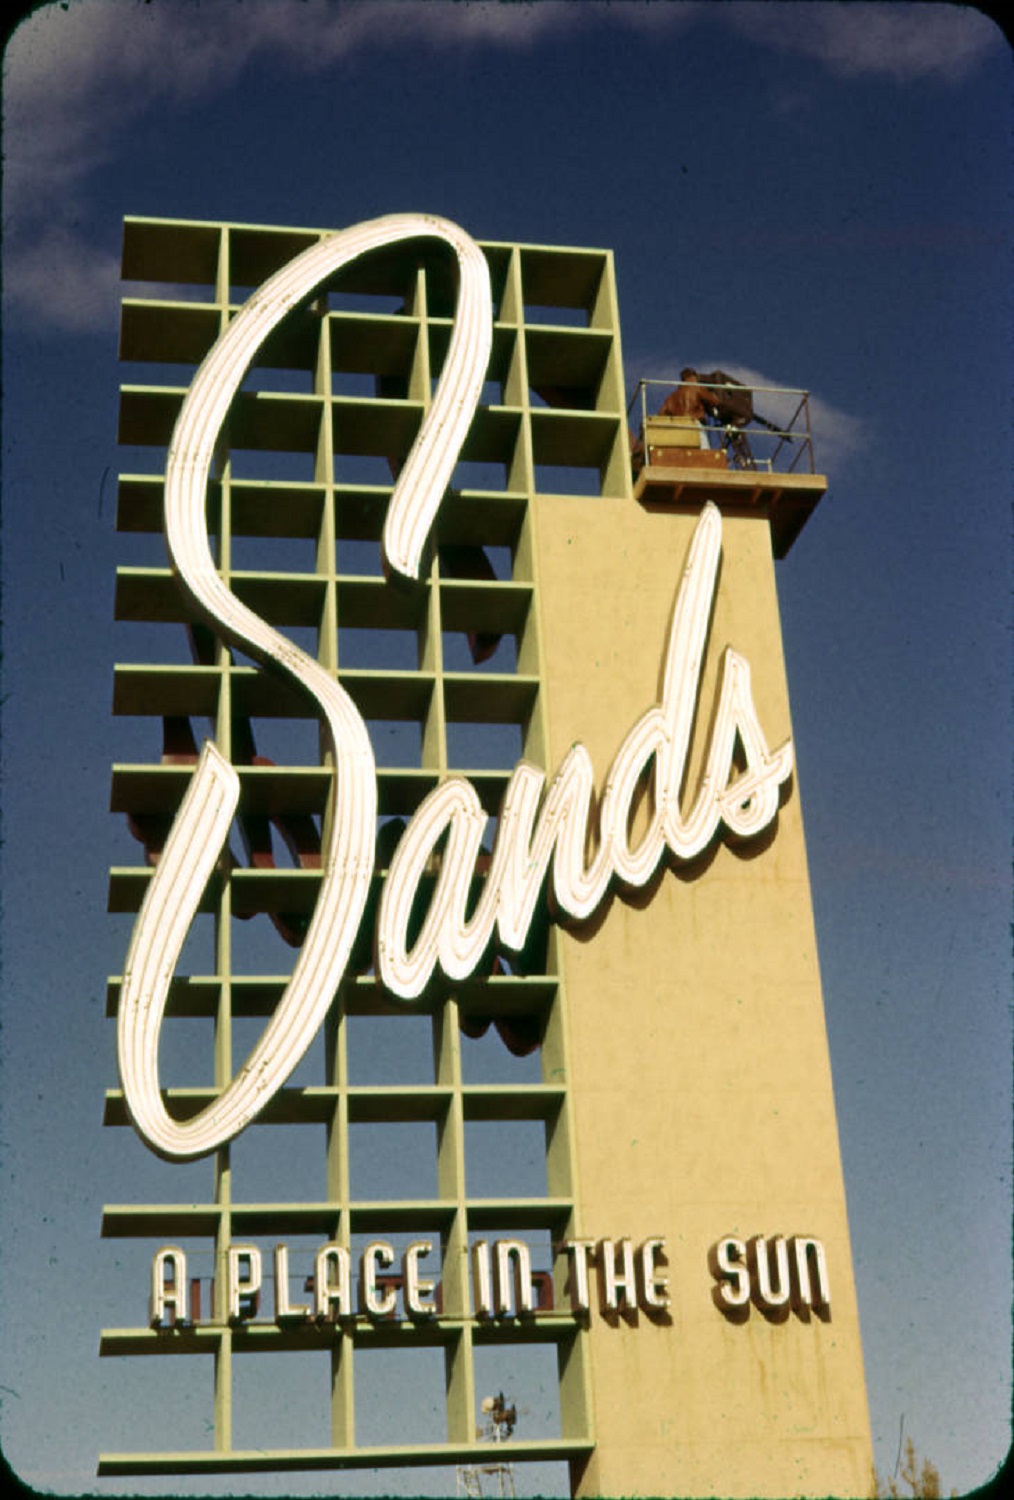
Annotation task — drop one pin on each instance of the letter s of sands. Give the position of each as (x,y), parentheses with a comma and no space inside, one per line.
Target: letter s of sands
(201,827)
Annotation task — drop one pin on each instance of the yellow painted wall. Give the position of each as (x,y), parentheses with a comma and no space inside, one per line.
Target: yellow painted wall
(700,1082)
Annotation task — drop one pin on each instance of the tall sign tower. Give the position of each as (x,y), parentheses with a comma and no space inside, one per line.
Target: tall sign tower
(468,839)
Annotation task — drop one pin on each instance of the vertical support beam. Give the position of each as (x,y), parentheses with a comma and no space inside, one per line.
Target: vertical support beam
(326,553)
(430,651)
(223,1385)
(335,1025)
(459,1377)
(616,476)
(575,1386)
(339,1192)
(342,1391)
(223,936)
(417,306)
(561,1164)
(521,474)
(336,1164)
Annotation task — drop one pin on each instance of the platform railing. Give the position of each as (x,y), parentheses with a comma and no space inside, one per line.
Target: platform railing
(777,439)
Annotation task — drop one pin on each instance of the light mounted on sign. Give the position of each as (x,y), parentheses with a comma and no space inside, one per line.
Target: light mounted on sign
(539,827)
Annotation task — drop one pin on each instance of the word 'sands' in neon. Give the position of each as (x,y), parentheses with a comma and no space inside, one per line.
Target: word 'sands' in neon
(541,831)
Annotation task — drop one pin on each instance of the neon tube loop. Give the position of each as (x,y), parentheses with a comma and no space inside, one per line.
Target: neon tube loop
(201,827)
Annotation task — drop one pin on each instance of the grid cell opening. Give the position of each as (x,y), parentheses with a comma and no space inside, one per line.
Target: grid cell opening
(553,479)
(487,1059)
(393,1160)
(396,743)
(264,377)
(186,1052)
(282,1400)
(460,649)
(279,1165)
(390,1050)
(279,463)
(505,1158)
(383,650)
(170,1405)
(399,1396)
(527,1376)
(481,474)
(273,554)
(483,746)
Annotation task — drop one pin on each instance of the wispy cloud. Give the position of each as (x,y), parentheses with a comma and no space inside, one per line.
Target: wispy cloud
(837,436)
(909,43)
(73,284)
(77,78)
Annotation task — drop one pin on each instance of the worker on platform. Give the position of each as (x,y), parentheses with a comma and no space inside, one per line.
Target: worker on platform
(690,399)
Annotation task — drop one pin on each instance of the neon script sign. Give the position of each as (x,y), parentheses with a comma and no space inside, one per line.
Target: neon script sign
(544,831)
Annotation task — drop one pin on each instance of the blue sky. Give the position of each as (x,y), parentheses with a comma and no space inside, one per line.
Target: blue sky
(816,194)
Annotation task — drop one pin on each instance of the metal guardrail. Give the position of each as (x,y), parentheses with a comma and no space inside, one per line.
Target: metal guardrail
(777,439)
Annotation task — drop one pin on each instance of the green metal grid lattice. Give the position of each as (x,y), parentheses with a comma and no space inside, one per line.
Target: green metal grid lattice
(324,418)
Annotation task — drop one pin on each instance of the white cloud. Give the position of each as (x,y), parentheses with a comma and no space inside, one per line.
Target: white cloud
(837,436)
(60,279)
(909,43)
(76,78)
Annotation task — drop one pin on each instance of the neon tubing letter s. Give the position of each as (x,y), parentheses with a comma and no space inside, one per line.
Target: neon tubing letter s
(201,827)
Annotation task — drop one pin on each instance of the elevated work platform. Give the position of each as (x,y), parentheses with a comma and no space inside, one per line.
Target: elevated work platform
(788,499)
(681,460)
